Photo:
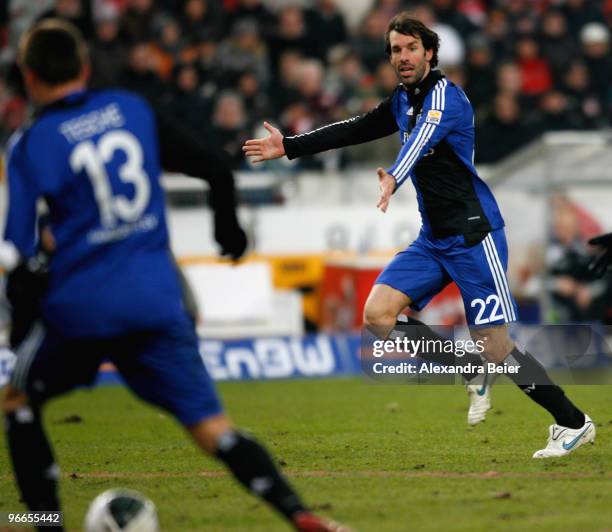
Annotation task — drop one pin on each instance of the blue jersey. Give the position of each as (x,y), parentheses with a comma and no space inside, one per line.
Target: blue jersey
(94,159)
(436,124)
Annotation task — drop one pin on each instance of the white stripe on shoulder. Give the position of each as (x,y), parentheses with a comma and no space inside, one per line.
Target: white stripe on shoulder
(422,138)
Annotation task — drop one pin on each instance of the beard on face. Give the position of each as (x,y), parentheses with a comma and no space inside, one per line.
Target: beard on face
(417,74)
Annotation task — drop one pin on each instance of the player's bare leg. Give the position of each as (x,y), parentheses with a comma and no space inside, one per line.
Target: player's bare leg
(572,427)
(382,307)
(254,468)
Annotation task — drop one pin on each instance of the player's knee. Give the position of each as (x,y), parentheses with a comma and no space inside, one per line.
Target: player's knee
(207,432)
(378,319)
(13,400)
(496,343)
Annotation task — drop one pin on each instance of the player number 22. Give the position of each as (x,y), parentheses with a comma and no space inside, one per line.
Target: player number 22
(92,158)
(493,316)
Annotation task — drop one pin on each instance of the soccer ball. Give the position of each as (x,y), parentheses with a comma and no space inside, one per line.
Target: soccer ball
(121,510)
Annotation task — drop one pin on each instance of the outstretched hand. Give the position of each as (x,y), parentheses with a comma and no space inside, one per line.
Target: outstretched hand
(386,182)
(266,148)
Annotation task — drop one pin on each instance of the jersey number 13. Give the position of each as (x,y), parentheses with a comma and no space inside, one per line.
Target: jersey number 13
(92,158)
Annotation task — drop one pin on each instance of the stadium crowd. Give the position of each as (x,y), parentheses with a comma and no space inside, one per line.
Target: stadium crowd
(221,66)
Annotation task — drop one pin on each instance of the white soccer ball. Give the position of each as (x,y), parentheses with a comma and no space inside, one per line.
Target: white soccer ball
(121,510)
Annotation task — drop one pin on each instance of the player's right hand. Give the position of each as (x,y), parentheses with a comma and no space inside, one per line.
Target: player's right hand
(387,185)
(266,148)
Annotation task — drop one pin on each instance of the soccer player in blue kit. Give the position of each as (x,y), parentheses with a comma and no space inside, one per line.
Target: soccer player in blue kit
(113,289)
(462,235)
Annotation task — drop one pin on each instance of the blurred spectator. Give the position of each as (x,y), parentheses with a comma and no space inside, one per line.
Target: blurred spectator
(388,8)
(244,51)
(509,80)
(22,14)
(447,12)
(169,36)
(558,113)
(452,49)
(502,133)
(188,106)
(326,21)
(318,101)
(536,75)
(497,30)
(255,11)
(480,72)
(255,98)
(558,47)
(292,34)
(284,89)
(77,12)
(578,13)
(137,21)
(574,295)
(12,111)
(229,123)
(577,87)
(369,43)
(349,80)
(207,59)
(202,19)
(595,39)
(141,74)
(456,74)
(107,52)
(386,79)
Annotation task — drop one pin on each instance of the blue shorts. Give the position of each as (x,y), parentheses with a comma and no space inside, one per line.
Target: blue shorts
(426,266)
(162,367)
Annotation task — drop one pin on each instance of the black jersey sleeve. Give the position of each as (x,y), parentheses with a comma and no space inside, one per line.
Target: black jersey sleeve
(377,123)
(184,152)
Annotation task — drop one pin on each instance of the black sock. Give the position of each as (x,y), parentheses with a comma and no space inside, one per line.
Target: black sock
(533,379)
(416,330)
(35,469)
(253,467)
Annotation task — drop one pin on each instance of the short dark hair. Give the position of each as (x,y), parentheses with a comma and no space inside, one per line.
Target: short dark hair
(54,50)
(406,25)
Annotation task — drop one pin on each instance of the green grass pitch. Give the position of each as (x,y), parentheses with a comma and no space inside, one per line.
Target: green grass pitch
(377,457)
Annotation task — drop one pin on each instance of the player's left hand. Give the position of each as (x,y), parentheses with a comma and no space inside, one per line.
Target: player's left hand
(387,184)
(602,263)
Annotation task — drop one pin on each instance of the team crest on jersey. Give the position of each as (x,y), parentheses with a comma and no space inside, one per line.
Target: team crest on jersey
(433,117)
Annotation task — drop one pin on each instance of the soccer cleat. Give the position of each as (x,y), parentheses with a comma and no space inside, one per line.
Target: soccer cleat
(480,400)
(308,522)
(563,440)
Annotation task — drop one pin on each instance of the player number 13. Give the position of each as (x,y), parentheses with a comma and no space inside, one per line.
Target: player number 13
(92,158)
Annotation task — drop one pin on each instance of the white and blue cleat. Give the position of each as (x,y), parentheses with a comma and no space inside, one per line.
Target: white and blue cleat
(563,440)
(480,400)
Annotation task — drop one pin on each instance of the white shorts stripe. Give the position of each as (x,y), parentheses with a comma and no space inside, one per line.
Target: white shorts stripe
(504,279)
(495,278)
